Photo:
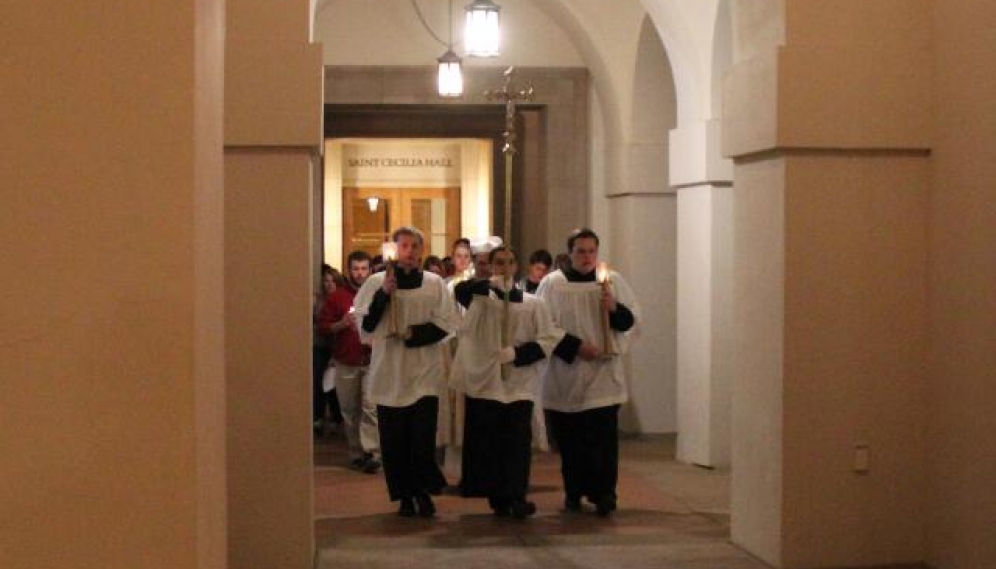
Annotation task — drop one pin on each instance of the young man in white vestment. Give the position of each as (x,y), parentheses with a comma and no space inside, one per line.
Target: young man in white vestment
(496,367)
(405,312)
(585,383)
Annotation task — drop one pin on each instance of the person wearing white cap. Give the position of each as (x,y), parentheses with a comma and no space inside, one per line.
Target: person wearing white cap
(497,368)
(481,248)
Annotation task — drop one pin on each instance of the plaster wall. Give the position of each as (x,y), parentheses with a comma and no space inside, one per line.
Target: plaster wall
(643,250)
(854,211)
(694,323)
(855,291)
(268,350)
(110,358)
(961,387)
(758,329)
(273,132)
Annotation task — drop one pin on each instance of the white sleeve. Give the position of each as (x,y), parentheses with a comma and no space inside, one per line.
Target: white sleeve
(445,315)
(548,335)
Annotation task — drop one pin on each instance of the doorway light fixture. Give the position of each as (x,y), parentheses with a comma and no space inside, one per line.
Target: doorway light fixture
(372,203)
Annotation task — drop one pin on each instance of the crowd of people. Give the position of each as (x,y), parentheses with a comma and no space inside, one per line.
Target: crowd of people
(414,354)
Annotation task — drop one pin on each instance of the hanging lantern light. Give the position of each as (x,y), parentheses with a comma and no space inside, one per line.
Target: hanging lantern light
(372,203)
(481,37)
(450,75)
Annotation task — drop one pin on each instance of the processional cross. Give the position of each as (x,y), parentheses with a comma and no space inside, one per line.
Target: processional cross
(508,95)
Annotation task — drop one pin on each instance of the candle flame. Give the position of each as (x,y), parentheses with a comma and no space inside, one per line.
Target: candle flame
(602,273)
(390,251)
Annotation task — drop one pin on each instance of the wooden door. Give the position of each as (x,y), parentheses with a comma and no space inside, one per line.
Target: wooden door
(434,211)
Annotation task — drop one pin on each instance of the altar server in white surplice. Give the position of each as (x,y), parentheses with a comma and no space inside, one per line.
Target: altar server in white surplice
(405,312)
(585,381)
(497,368)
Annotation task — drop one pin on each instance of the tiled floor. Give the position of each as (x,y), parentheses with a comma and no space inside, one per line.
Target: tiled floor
(671,516)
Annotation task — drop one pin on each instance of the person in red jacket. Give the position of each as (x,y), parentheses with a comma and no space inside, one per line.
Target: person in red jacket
(351,360)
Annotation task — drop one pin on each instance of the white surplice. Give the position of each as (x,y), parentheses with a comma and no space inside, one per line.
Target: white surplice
(476,367)
(399,376)
(577,309)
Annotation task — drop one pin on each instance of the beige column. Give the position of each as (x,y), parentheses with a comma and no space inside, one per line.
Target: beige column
(703,181)
(637,223)
(273,102)
(829,126)
(962,362)
(111,354)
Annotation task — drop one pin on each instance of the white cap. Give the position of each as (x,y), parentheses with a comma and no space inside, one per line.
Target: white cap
(485,244)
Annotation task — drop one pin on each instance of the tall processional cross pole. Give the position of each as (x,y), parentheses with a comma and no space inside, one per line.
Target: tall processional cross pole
(508,95)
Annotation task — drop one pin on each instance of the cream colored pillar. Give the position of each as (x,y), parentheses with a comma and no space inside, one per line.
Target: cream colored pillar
(111,329)
(273,102)
(639,240)
(829,133)
(962,363)
(704,185)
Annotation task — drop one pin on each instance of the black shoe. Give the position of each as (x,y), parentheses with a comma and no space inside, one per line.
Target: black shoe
(407,509)
(572,504)
(426,508)
(370,464)
(357,464)
(605,506)
(500,507)
(522,509)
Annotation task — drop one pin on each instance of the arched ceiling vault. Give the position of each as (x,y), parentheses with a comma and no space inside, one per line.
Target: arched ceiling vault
(609,51)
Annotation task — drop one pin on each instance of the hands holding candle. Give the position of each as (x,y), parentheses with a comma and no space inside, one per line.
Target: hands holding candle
(603,277)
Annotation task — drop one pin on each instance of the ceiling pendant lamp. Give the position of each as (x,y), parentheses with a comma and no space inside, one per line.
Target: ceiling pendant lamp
(450,79)
(481,34)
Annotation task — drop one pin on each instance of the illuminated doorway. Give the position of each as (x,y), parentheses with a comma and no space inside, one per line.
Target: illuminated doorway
(442,186)
(371,214)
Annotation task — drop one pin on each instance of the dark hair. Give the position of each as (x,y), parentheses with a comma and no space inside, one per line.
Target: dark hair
(431,260)
(582,233)
(461,242)
(491,255)
(563,261)
(410,231)
(541,256)
(357,256)
(337,278)
(327,269)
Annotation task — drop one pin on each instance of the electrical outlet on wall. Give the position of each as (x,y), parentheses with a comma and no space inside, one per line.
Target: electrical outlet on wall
(861,457)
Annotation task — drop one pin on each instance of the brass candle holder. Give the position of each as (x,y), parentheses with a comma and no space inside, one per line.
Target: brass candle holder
(506,322)
(604,278)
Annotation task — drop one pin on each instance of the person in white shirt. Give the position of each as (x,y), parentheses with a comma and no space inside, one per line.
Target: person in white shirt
(584,384)
(498,376)
(406,376)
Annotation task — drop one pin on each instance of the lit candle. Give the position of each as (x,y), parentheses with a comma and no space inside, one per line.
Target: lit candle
(602,272)
(390,252)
